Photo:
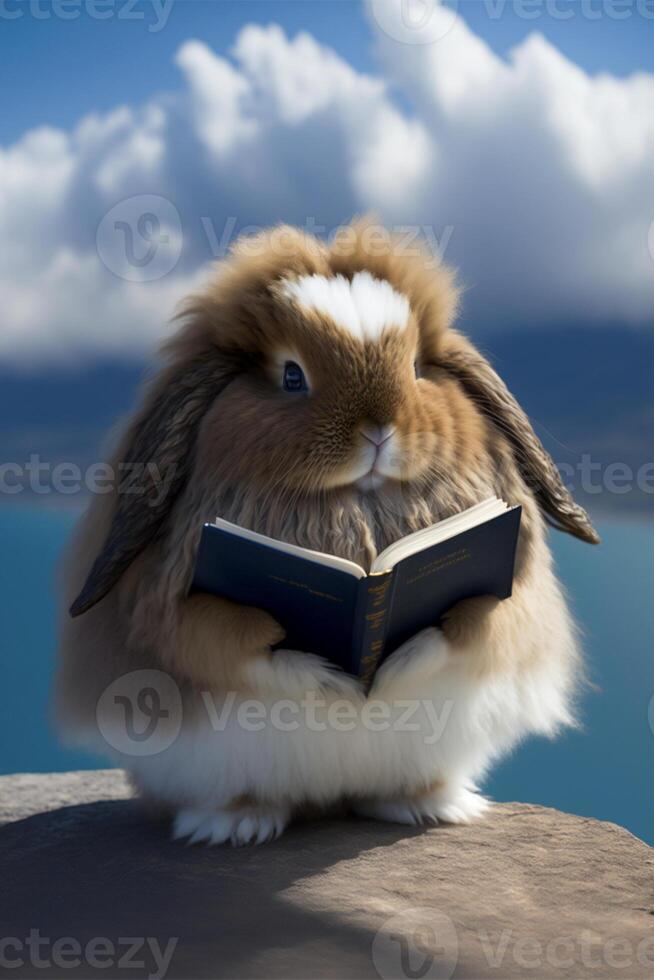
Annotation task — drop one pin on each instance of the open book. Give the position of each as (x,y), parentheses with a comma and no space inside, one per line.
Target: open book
(331,606)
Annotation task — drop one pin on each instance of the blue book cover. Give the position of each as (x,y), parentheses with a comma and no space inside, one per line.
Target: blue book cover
(332,607)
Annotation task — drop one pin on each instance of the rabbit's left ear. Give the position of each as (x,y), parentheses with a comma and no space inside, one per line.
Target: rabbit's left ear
(460,359)
(154,464)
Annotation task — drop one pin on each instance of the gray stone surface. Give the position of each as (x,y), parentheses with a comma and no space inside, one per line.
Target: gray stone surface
(530,892)
(28,793)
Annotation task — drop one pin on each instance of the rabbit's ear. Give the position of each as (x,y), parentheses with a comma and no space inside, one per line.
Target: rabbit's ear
(486,388)
(154,464)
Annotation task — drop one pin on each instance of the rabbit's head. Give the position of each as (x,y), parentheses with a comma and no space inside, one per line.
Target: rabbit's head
(305,369)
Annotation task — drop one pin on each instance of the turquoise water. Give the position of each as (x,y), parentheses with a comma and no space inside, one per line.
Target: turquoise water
(606,770)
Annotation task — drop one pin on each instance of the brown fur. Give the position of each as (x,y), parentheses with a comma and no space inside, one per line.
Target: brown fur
(229,442)
(218,637)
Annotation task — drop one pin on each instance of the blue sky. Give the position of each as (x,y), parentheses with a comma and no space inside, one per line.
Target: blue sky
(528,171)
(518,138)
(60,69)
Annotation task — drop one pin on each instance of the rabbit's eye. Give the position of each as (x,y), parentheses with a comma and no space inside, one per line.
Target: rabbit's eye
(294,379)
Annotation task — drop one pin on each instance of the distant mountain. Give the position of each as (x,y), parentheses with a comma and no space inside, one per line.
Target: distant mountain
(588,392)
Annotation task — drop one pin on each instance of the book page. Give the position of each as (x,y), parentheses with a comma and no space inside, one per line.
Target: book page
(333,561)
(449,528)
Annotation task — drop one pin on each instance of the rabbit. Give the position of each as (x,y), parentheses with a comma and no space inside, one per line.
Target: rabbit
(318,393)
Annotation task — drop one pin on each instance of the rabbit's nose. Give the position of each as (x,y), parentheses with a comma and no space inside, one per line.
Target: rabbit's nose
(377,434)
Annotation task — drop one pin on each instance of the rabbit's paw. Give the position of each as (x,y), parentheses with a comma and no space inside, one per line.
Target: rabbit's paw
(242,825)
(289,673)
(446,804)
(413,663)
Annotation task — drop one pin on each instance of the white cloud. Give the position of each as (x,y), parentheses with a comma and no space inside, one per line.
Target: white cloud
(543,173)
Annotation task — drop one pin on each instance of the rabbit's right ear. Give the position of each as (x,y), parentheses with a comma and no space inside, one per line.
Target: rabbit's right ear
(464,362)
(154,464)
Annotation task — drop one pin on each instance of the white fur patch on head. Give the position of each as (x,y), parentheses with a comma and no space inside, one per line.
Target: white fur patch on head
(364,306)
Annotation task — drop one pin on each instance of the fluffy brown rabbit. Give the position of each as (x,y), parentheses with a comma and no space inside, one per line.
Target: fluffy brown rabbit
(319,394)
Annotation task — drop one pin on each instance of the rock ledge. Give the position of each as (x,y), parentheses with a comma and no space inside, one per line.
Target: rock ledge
(530,892)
